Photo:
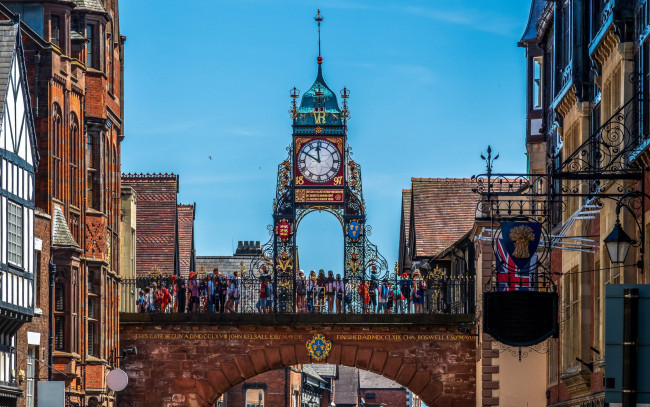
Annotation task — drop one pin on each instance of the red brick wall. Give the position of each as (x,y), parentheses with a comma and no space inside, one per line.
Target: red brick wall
(40,322)
(387,397)
(156,221)
(433,360)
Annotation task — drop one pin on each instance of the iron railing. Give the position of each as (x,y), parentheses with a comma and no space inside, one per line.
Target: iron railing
(442,295)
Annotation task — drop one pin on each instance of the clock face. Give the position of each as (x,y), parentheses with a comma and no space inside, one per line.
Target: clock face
(319,160)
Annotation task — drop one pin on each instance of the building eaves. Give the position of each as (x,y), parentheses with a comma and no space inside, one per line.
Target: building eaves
(530,33)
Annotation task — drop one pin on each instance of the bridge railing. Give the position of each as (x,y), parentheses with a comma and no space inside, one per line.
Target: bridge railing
(204,294)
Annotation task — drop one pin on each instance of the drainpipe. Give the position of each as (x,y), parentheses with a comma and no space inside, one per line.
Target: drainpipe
(630,339)
(52,271)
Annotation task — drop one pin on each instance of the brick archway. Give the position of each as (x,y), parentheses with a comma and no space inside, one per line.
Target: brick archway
(184,360)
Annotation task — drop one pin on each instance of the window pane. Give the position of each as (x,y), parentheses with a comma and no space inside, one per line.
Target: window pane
(15,233)
(55,30)
(89,45)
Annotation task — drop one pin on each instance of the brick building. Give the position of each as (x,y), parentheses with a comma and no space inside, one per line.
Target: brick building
(294,386)
(74,58)
(246,251)
(164,228)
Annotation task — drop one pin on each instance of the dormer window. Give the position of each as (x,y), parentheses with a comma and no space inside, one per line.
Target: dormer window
(55,30)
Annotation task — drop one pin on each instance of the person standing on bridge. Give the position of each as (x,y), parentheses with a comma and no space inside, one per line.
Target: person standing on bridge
(340,290)
(269,295)
(261,302)
(372,291)
(406,286)
(301,291)
(330,291)
(193,287)
(347,295)
(311,291)
(383,296)
(419,289)
(236,282)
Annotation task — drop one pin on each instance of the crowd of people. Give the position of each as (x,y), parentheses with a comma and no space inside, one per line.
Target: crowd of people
(320,293)
(315,293)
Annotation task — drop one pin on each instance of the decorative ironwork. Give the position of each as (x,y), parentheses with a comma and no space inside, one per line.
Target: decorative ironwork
(524,351)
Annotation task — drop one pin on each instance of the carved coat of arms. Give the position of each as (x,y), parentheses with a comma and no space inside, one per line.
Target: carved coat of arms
(319,347)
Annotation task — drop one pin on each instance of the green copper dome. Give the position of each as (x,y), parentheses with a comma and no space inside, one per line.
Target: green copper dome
(319,98)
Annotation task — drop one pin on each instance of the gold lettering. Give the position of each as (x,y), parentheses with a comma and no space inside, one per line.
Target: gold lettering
(319,117)
(300,180)
(338,180)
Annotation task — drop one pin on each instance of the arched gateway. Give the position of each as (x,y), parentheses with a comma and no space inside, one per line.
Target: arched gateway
(191,359)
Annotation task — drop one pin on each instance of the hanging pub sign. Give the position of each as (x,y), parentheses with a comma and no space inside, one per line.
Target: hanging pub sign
(284,229)
(520,318)
(354,230)
(520,241)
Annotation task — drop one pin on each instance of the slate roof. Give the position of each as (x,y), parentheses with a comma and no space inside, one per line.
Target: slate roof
(369,381)
(8,35)
(156,221)
(324,369)
(346,387)
(61,235)
(185,237)
(531,27)
(309,371)
(89,5)
(442,210)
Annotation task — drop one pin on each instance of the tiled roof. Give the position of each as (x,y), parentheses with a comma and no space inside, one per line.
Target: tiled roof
(185,236)
(443,210)
(61,235)
(406,213)
(156,221)
(369,380)
(90,5)
(8,31)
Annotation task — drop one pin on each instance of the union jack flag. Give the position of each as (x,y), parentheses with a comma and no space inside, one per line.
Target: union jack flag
(509,276)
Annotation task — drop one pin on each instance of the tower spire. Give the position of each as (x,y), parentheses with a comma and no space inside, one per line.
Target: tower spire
(318,19)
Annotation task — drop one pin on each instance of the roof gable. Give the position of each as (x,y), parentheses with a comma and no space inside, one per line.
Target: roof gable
(443,210)
(17,133)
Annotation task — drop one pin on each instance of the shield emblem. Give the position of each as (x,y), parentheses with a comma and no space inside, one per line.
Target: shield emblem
(284,229)
(520,240)
(319,347)
(354,230)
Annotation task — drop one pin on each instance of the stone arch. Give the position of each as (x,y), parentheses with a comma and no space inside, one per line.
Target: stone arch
(183,362)
(235,369)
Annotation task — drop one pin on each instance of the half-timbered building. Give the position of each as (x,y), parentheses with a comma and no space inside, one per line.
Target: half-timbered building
(18,159)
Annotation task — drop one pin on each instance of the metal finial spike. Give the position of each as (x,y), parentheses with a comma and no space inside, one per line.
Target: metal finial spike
(318,19)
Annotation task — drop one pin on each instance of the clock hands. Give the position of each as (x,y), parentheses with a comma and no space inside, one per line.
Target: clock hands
(313,158)
(318,152)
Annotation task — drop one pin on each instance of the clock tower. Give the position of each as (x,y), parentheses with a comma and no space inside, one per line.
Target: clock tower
(319,175)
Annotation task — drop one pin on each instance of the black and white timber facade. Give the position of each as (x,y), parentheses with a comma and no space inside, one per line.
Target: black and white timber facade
(18,160)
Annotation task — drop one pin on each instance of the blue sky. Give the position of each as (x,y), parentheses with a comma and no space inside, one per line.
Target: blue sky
(432,84)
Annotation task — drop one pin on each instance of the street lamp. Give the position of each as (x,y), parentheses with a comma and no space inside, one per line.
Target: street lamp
(618,243)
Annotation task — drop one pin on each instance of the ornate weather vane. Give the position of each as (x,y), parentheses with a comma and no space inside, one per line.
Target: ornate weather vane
(294,107)
(318,19)
(345,94)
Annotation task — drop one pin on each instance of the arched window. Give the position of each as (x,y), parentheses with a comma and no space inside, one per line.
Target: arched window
(75,164)
(57,127)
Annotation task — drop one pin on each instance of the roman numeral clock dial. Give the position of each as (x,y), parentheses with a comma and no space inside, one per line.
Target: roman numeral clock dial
(319,161)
